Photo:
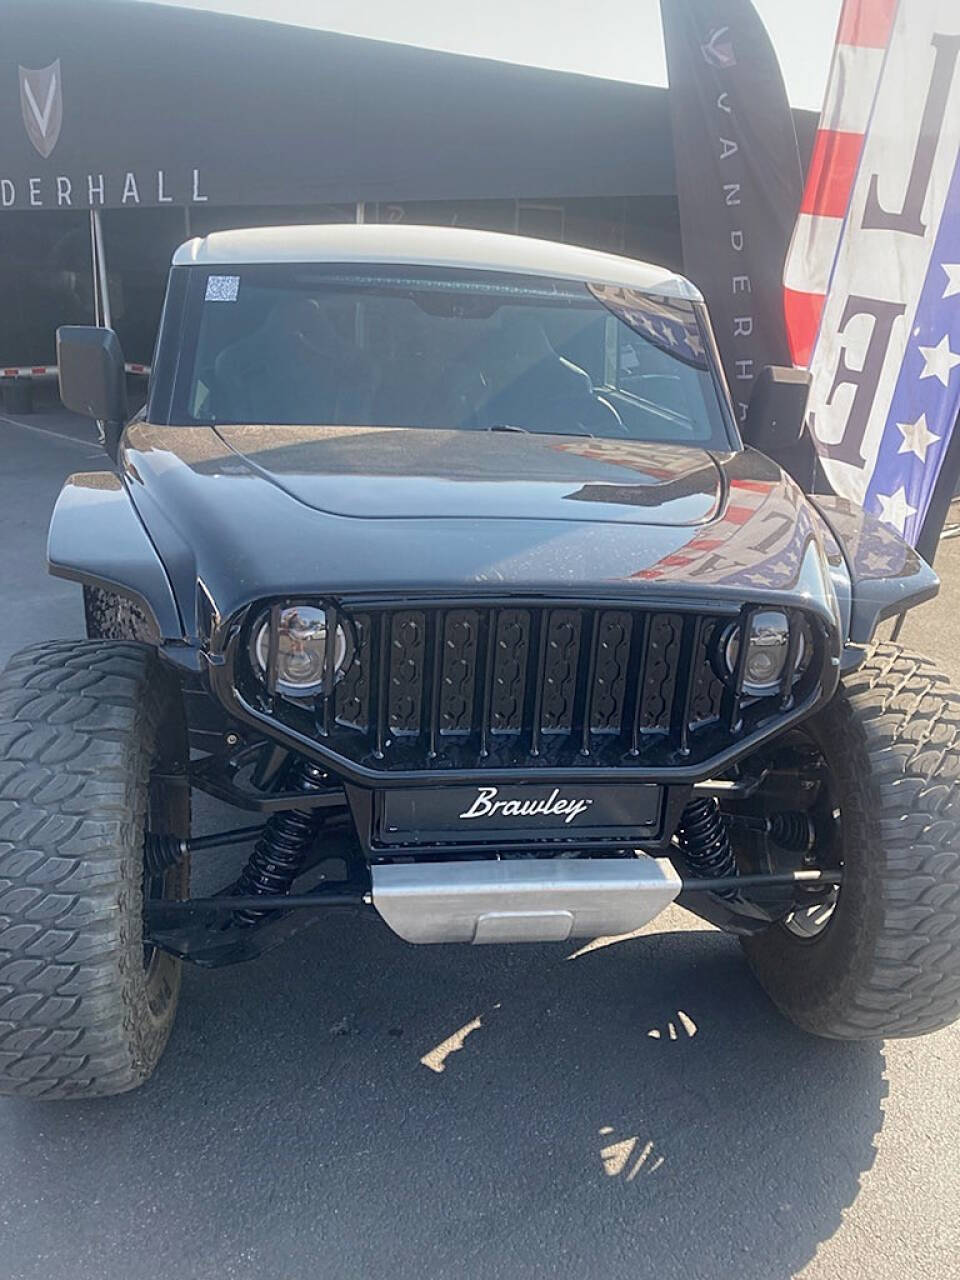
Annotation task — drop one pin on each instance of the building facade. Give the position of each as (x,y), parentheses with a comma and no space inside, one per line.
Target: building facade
(130,127)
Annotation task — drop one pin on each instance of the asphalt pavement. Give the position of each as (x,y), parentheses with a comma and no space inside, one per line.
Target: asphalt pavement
(351,1106)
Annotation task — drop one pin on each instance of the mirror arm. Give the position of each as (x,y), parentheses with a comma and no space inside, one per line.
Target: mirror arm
(110,433)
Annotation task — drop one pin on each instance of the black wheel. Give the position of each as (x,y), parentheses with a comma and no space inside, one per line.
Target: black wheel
(881,956)
(89,734)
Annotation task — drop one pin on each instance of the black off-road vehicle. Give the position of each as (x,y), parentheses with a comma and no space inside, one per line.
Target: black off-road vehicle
(451,540)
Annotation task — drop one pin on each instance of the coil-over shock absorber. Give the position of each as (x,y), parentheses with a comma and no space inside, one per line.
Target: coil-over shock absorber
(280,851)
(704,841)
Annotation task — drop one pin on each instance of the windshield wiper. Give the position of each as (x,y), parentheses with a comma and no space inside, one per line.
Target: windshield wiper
(509,426)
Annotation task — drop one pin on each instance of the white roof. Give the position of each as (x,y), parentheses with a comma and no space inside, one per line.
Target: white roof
(430,246)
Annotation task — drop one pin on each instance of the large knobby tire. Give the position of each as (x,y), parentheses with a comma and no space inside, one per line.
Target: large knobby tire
(887,962)
(85,1008)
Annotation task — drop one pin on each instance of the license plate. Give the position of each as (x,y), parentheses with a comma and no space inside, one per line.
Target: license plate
(518,812)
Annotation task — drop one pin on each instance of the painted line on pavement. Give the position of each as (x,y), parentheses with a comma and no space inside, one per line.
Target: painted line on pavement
(46,431)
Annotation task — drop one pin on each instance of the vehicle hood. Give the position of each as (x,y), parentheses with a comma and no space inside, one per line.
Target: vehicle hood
(251,513)
(409,473)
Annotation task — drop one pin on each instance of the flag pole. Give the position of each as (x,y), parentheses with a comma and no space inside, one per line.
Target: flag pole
(943,493)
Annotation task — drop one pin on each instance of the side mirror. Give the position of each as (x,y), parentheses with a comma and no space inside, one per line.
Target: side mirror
(778,405)
(92,378)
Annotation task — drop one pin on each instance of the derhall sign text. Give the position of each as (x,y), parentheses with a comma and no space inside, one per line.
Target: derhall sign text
(129,188)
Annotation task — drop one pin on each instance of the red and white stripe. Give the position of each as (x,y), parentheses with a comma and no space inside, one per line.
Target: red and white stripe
(50,370)
(28,371)
(862,38)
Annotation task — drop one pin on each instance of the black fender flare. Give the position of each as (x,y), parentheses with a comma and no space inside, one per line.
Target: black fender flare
(887,576)
(97,538)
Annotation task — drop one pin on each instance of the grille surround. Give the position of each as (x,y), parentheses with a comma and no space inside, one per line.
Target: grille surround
(482,689)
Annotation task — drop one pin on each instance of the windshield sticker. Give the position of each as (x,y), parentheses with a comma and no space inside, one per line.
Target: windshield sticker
(222,289)
(670,326)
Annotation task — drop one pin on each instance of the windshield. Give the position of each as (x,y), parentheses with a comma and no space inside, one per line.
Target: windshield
(461,349)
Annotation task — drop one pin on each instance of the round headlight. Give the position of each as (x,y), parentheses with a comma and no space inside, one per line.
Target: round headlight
(767,648)
(301,650)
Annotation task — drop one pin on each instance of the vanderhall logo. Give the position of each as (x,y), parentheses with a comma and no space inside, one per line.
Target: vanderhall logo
(41,101)
(487,805)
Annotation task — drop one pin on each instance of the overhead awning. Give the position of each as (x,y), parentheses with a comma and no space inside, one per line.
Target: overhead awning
(111,104)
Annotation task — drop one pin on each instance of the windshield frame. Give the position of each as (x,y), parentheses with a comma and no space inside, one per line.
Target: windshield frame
(177,341)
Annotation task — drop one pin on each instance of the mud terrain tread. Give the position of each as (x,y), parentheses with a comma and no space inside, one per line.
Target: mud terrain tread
(895,729)
(76,720)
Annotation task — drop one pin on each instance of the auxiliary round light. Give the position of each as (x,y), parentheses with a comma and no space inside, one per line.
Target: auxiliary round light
(301,650)
(767,647)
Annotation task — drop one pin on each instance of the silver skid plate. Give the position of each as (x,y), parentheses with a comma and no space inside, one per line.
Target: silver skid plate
(524,899)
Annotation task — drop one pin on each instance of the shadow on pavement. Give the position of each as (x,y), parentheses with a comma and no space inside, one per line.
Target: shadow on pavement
(353,1106)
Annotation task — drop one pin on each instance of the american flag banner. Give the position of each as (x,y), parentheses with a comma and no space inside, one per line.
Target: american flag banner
(862,36)
(886,363)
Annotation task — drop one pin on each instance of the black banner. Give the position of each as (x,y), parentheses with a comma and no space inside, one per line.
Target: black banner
(739,180)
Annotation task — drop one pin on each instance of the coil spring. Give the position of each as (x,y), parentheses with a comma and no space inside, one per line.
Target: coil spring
(704,841)
(280,851)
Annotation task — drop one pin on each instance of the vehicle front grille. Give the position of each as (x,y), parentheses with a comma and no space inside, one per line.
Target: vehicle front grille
(526,686)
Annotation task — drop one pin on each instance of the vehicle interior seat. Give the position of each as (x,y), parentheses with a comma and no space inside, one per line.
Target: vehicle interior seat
(520,380)
(296,368)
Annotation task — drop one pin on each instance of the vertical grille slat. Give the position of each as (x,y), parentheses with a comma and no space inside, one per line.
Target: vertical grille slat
(560,671)
(381,641)
(591,685)
(708,688)
(466,685)
(661,664)
(792,661)
(354,690)
(539,650)
(734,694)
(486,692)
(608,697)
(458,670)
(432,666)
(635,678)
(330,670)
(686,682)
(273,649)
(407,654)
(509,671)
